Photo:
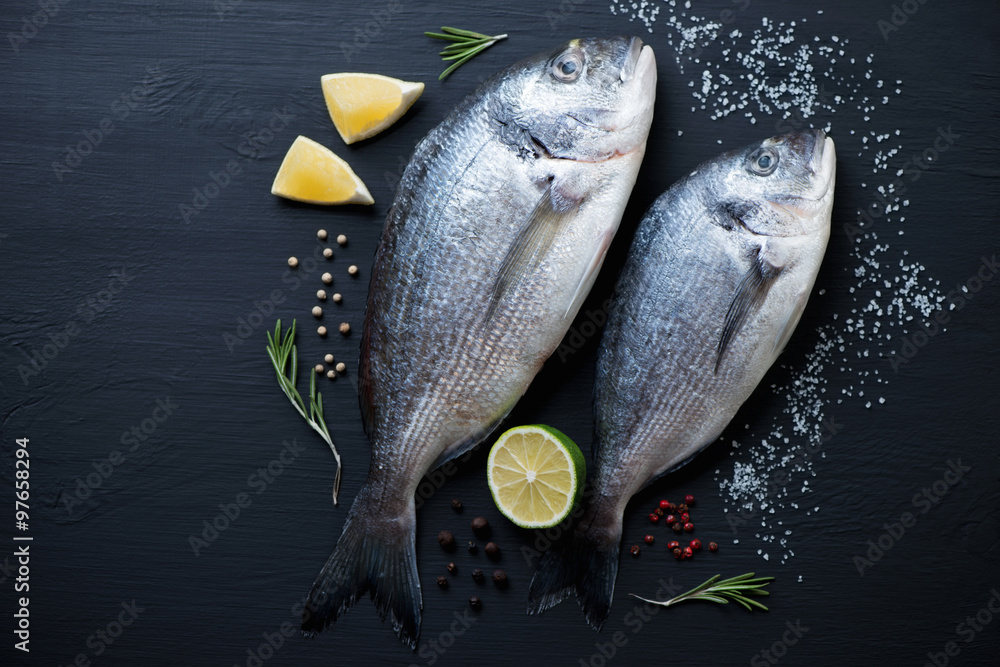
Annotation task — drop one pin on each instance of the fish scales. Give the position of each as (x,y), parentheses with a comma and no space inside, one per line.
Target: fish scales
(715,282)
(660,391)
(499,226)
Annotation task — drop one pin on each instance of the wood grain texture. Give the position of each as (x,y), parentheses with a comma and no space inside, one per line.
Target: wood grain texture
(188,88)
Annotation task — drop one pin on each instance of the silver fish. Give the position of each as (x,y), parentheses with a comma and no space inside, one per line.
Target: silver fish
(715,282)
(498,229)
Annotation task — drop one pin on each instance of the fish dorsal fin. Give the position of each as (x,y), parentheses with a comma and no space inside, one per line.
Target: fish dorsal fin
(530,245)
(750,294)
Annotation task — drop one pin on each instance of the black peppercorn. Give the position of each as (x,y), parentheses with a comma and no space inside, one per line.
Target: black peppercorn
(446,539)
(677,527)
(442,581)
(475,603)
(477,576)
(500,578)
(456,505)
(473,549)
(481,527)
(452,568)
(492,550)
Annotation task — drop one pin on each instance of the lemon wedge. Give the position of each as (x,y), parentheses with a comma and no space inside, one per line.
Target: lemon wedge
(536,475)
(312,173)
(362,105)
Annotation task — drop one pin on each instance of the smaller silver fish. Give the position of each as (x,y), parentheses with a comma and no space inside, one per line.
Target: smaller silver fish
(715,283)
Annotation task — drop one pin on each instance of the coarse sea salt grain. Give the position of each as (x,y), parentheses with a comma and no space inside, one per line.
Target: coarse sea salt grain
(781,74)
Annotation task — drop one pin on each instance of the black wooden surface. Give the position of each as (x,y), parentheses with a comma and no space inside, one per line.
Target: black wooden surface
(140,307)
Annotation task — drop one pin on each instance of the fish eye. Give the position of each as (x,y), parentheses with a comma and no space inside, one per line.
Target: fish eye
(567,67)
(764,161)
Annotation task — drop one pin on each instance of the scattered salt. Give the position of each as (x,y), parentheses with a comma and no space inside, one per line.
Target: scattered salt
(774,75)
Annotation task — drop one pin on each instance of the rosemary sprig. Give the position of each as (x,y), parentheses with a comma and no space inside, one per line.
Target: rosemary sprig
(281,350)
(736,589)
(464,45)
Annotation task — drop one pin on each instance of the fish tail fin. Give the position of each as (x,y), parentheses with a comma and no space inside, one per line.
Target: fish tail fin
(586,563)
(375,553)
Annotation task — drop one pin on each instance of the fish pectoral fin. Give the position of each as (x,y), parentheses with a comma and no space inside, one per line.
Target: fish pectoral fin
(530,245)
(590,274)
(791,321)
(750,294)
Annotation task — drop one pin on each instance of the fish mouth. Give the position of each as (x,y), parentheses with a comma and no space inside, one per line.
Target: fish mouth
(637,79)
(639,60)
(824,162)
(639,70)
(823,166)
(639,66)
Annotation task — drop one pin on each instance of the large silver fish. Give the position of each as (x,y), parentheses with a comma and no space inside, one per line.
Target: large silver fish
(717,277)
(499,227)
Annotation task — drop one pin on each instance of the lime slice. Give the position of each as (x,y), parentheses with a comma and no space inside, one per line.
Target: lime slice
(536,475)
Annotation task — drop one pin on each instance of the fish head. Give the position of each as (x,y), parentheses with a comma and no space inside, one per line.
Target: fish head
(782,186)
(589,100)
(777,197)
